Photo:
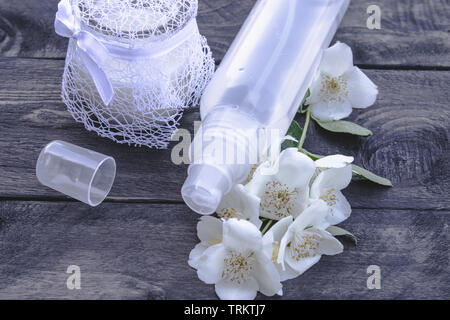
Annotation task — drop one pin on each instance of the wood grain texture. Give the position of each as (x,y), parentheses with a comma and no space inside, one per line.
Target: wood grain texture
(133,250)
(139,251)
(410,144)
(412,32)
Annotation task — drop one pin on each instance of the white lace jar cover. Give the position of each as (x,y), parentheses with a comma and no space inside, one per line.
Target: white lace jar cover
(132,66)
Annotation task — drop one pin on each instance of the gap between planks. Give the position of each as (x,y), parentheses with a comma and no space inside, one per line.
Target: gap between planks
(362,66)
(120,200)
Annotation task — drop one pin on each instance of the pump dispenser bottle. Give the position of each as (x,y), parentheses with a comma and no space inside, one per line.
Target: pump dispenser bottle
(258,86)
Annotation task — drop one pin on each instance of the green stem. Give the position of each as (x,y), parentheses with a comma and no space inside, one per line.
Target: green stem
(266,227)
(311,155)
(305,129)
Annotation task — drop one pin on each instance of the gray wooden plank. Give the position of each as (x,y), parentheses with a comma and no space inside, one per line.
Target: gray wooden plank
(139,251)
(410,145)
(412,32)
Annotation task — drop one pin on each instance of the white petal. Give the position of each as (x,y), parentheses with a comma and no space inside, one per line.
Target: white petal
(283,246)
(256,185)
(296,168)
(267,276)
(362,92)
(230,200)
(241,236)
(333,110)
(294,174)
(250,205)
(289,138)
(303,264)
(331,179)
(314,89)
(321,111)
(334,161)
(328,245)
(241,202)
(313,216)
(288,273)
(340,110)
(227,290)
(211,264)
(337,60)
(340,211)
(195,254)
(209,229)
(279,229)
(268,244)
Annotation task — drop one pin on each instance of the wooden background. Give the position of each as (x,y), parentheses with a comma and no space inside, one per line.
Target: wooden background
(136,244)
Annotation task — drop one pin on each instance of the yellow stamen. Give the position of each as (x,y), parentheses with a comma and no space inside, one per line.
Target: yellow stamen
(275,251)
(334,88)
(329,197)
(238,267)
(305,247)
(250,175)
(278,199)
(228,213)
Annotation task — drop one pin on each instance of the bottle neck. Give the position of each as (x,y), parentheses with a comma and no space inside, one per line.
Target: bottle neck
(221,157)
(205,186)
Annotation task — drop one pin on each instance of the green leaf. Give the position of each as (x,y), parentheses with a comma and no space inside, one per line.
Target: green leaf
(344,127)
(336,231)
(288,144)
(294,131)
(366,174)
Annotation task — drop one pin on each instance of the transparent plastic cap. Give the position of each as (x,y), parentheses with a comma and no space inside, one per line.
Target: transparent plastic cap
(77,172)
(204,188)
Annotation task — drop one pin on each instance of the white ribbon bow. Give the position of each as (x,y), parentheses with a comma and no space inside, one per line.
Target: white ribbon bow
(91,50)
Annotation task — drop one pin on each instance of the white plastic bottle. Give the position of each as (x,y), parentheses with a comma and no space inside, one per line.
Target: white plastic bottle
(259,85)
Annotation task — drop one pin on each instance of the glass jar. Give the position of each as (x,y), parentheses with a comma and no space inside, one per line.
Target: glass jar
(156,64)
